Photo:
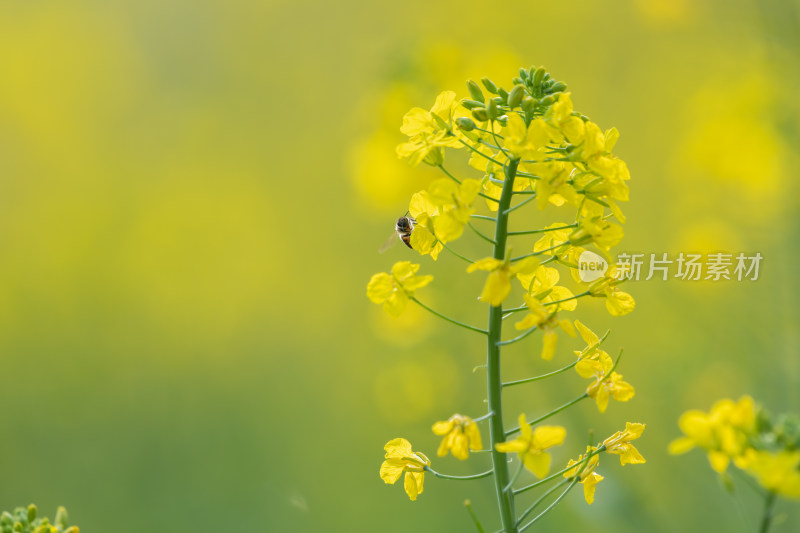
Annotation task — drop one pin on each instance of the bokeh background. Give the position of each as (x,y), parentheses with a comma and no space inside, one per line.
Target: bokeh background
(192,196)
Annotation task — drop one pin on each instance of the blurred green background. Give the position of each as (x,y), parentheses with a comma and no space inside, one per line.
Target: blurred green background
(192,195)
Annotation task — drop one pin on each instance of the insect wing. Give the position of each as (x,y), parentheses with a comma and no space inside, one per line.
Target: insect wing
(391,241)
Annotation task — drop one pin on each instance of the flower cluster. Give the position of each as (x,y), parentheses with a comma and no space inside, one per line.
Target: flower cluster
(745,434)
(26,520)
(530,148)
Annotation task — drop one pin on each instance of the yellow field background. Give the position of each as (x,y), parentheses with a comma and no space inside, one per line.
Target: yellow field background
(192,196)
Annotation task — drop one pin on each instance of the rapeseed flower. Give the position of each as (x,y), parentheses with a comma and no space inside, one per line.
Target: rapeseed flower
(401,458)
(531,444)
(428,131)
(394,290)
(606,384)
(547,321)
(620,444)
(498,283)
(723,432)
(461,434)
(588,477)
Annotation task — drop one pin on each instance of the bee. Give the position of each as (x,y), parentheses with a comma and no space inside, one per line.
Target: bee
(402,230)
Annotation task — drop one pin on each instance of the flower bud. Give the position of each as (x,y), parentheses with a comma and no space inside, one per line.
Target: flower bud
(480,115)
(558,87)
(472,104)
(490,86)
(465,123)
(515,96)
(502,95)
(523,73)
(31,513)
(548,100)
(517,81)
(538,77)
(475,91)
(528,104)
(491,110)
(61,516)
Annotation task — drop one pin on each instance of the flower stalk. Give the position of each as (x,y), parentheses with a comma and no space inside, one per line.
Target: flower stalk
(494,383)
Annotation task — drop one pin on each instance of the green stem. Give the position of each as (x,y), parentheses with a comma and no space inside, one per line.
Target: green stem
(518,337)
(440,315)
(481,235)
(459,478)
(766,519)
(551,506)
(543,497)
(475,520)
(532,231)
(494,383)
(525,201)
(551,413)
(543,376)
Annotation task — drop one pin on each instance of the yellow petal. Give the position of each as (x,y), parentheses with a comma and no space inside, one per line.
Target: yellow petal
(549,341)
(619,303)
(496,288)
(680,445)
(443,427)
(379,287)
(547,436)
(391,469)
(398,448)
(538,463)
(588,336)
(589,485)
(410,485)
(416,282)
(487,263)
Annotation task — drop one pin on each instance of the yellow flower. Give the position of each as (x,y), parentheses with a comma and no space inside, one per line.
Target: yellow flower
(722,432)
(428,131)
(454,201)
(523,141)
(553,238)
(606,385)
(620,443)
(401,458)
(542,284)
(618,302)
(563,122)
(601,232)
(393,290)
(588,477)
(778,472)
(547,321)
(422,209)
(553,184)
(530,445)
(461,434)
(498,284)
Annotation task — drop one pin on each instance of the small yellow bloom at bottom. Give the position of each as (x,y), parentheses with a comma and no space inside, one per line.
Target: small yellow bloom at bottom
(588,477)
(401,458)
